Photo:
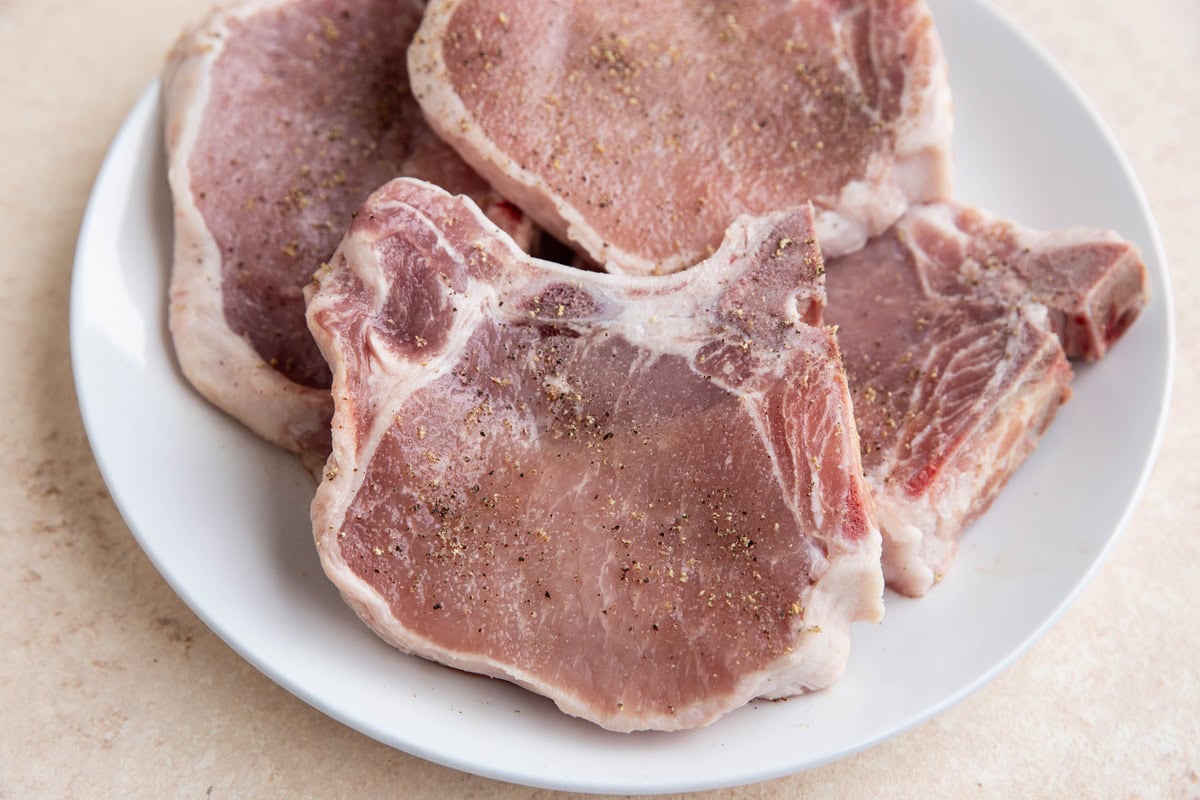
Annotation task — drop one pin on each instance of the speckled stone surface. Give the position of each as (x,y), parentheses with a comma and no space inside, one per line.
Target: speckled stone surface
(111,687)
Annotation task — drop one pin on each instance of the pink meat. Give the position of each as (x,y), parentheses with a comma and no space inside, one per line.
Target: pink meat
(639,131)
(281,117)
(953,326)
(1092,282)
(640,497)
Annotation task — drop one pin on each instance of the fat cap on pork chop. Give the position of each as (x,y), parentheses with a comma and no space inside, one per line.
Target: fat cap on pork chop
(639,131)
(640,497)
(955,327)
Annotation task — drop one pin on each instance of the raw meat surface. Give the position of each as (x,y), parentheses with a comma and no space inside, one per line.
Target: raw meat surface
(948,328)
(281,117)
(1092,282)
(641,497)
(639,131)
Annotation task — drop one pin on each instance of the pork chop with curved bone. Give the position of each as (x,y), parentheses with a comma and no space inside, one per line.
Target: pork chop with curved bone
(955,327)
(641,497)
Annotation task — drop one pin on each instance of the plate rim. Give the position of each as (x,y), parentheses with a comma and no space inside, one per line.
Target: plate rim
(147,105)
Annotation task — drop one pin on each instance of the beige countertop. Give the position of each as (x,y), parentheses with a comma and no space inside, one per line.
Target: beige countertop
(111,687)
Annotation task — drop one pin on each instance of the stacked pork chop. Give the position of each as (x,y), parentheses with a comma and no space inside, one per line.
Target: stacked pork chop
(517,488)
(638,134)
(956,328)
(651,497)
(281,117)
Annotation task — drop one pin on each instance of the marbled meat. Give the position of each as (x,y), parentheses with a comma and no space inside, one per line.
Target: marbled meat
(955,328)
(640,497)
(639,131)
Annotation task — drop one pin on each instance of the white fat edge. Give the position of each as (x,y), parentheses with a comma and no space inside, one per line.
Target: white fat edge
(1037,313)
(1034,239)
(839,232)
(249,8)
(933,128)
(851,590)
(902,532)
(222,359)
(191,61)
(892,180)
(943,215)
(616,260)
(898,529)
(863,208)
(904,568)
(660,314)
(429,78)
(402,377)
(216,24)
(374,610)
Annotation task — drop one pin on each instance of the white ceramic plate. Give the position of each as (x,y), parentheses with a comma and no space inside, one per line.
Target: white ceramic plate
(224,516)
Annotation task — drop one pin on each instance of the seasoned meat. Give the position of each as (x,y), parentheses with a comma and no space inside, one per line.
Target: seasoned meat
(953,326)
(641,497)
(639,131)
(281,117)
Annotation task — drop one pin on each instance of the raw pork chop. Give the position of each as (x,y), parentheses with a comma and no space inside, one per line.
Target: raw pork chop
(639,131)
(947,326)
(281,117)
(640,497)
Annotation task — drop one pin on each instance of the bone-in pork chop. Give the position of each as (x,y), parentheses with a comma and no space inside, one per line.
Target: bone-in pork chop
(638,131)
(953,326)
(641,497)
(281,117)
